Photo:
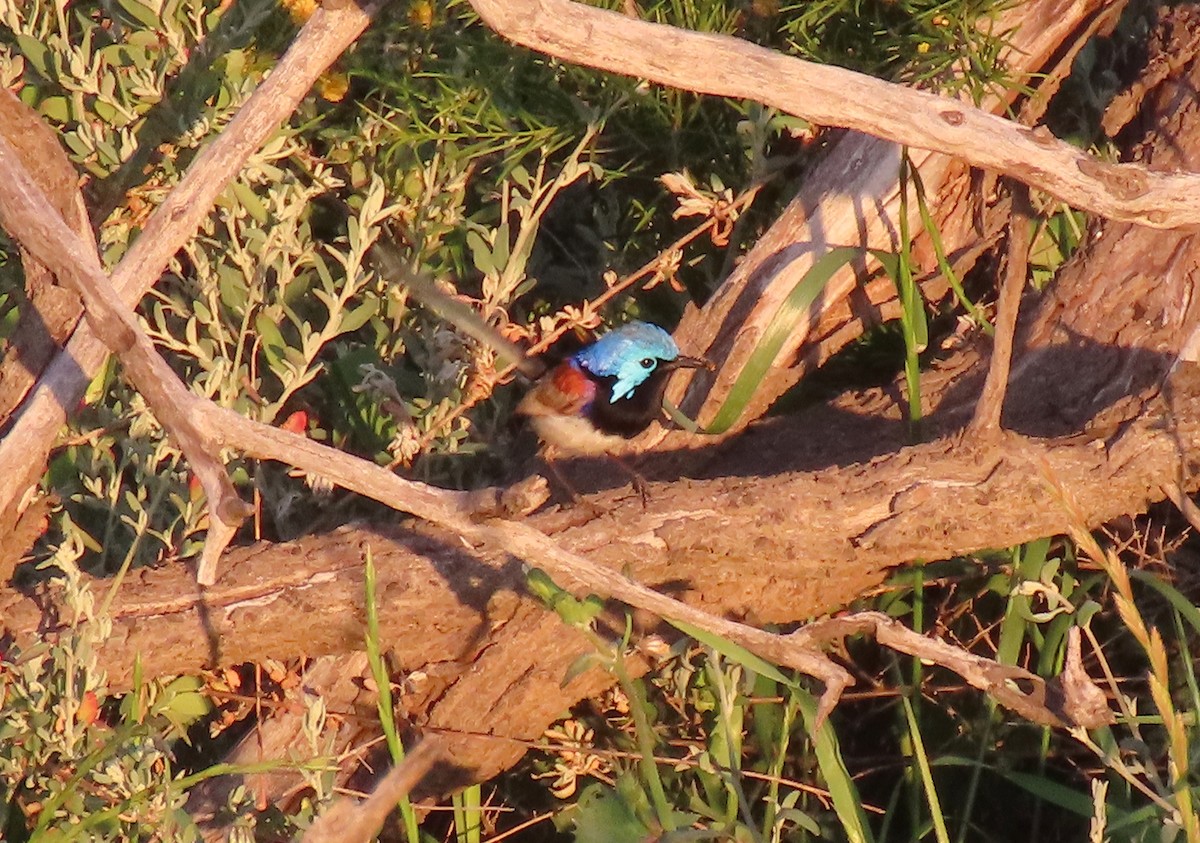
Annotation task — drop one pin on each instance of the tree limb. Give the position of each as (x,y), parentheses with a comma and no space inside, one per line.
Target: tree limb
(986,422)
(833,96)
(27,214)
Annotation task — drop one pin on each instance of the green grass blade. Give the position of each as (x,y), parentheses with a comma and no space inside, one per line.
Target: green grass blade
(1059,795)
(1178,602)
(383,682)
(791,311)
(931,796)
(680,419)
(468,827)
(734,652)
(847,804)
(1029,560)
(914,326)
(939,249)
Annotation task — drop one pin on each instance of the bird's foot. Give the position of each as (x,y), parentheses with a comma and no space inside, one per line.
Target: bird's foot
(565,487)
(640,486)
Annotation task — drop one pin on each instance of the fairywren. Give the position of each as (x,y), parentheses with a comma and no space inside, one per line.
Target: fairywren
(605,393)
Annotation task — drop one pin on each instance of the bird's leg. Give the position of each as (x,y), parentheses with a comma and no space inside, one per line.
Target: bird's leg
(564,484)
(639,482)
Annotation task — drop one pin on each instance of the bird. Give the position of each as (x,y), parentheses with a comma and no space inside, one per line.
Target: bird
(604,394)
(590,403)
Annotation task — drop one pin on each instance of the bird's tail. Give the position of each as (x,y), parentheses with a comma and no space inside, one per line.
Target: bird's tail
(424,290)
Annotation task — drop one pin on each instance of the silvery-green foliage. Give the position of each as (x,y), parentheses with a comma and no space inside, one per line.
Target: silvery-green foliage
(68,758)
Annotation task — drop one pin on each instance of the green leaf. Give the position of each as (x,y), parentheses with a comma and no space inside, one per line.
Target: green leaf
(383,683)
(141,13)
(481,253)
(273,344)
(56,109)
(246,197)
(735,652)
(358,317)
(847,804)
(603,816)
(791,312)
(500,253)
(232,286)
(35,53)
(542,586)
(579,666)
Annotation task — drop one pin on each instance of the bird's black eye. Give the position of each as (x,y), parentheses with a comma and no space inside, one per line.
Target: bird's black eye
(647,362)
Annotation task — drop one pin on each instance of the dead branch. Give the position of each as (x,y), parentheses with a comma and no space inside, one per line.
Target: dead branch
(27,214)
(986,422)
(832,96)
(322,39)
(1070,700)
(48,311)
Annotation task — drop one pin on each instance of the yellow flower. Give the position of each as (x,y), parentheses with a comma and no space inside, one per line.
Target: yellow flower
(300,10)
(420,13)
(333,86)
(923,47)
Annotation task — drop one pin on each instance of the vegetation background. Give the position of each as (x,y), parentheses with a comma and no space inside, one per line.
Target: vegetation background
(552,199)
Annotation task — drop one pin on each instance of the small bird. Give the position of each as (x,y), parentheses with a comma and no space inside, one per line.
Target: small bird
(605,393)
(589,403)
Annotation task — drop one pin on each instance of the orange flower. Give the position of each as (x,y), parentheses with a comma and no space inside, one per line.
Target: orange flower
(89,707)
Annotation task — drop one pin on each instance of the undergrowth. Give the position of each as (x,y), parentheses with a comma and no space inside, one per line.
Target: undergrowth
(552,200)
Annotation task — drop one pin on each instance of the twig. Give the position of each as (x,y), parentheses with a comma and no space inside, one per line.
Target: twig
(999,681)
(833,96)
(1183,502)
(986,421)
(348,822)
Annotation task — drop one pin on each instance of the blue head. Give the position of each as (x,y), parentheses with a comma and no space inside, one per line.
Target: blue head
(630,354)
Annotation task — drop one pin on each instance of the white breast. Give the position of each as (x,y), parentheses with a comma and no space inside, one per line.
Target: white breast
(574,435)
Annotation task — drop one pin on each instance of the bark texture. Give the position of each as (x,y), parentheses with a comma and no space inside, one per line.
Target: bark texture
(790,520)
(47,310)
(799,515)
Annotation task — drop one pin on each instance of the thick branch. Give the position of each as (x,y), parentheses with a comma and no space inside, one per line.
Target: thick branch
(832,96)
(729,545)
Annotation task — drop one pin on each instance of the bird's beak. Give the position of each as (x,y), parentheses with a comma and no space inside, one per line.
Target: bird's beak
(682,362)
